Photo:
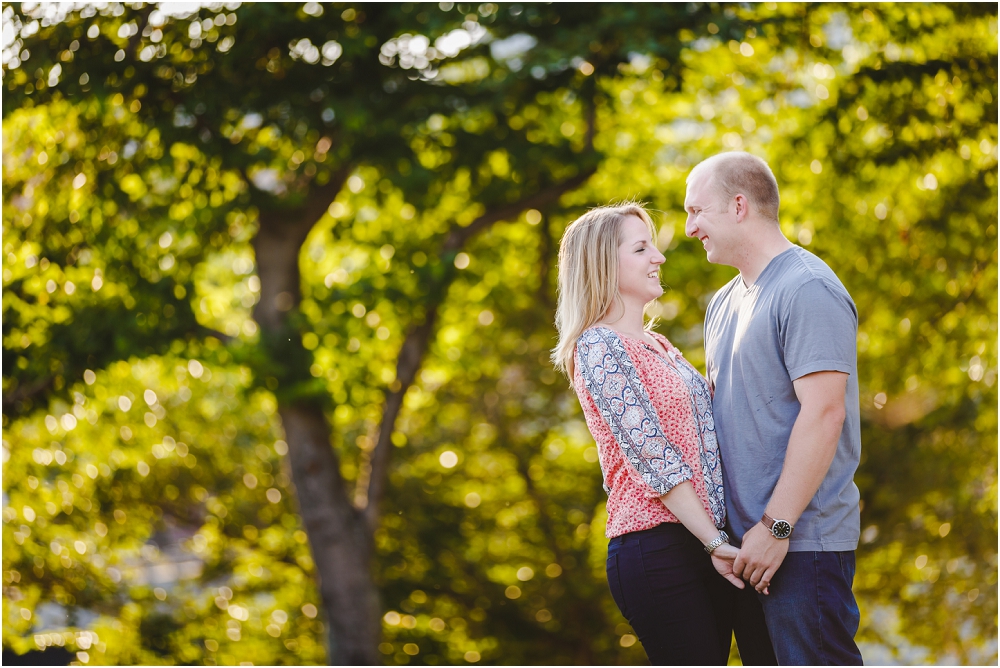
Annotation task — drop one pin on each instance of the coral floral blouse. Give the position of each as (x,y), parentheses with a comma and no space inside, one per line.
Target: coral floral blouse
(652,419)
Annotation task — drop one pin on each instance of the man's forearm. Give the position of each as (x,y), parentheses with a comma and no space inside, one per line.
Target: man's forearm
(811,447)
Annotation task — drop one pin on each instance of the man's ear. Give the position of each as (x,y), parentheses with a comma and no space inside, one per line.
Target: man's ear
(742,207)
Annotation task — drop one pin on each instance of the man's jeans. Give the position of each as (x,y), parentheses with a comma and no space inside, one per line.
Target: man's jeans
(811,613)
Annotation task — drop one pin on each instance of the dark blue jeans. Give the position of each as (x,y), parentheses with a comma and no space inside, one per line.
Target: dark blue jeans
(811,613)
(683,612)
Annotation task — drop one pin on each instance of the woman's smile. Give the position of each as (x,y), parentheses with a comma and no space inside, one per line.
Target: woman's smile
(636,249)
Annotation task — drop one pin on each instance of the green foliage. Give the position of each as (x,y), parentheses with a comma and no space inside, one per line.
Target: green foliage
(151,449)
(140,400)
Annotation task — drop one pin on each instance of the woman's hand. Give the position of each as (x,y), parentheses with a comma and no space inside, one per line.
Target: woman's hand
(722,559)
(726,552)
(682,501)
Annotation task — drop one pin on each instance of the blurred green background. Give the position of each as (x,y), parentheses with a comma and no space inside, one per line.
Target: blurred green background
(254,249)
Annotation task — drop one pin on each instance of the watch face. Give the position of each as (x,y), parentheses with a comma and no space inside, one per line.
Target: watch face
(781,529)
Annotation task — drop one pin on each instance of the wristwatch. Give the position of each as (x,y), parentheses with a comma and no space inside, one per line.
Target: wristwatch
(723,537)
(780,529)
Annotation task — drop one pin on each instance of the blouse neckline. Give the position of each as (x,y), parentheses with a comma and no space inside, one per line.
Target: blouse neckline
(667,346)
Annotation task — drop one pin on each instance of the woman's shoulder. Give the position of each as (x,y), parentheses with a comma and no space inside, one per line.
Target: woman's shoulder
(597,343)
(596,334)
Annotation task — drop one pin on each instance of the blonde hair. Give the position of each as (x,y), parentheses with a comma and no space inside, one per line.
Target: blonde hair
(738,172)
(588,274)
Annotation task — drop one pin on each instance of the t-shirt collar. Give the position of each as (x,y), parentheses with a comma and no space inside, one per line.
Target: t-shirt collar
(773,263)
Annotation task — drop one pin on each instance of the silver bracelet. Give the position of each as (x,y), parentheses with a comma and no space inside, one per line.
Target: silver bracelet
(722,538)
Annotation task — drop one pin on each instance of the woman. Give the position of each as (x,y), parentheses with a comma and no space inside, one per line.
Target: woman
(650,412)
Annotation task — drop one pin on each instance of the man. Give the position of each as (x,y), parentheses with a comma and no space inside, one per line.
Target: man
(780,347)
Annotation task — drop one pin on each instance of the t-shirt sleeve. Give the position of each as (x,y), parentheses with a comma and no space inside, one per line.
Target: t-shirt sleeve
(820,331)
(613,383)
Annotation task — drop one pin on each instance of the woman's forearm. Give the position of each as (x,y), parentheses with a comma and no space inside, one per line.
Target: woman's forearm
(687,507)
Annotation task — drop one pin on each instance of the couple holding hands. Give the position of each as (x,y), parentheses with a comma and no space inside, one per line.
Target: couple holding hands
(732,506)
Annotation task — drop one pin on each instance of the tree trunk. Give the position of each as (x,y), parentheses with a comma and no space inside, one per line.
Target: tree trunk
(341,544)
(341,534)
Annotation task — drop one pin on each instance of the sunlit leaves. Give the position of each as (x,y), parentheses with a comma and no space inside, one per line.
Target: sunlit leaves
(162,454)
(133,186)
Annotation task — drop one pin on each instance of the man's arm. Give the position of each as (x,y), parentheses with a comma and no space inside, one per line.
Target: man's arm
(811,447)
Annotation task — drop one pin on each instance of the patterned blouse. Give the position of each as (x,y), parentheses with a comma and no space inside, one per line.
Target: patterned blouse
(652,419)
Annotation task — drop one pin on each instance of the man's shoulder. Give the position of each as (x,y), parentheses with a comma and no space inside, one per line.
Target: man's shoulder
(806,272)
(809,294)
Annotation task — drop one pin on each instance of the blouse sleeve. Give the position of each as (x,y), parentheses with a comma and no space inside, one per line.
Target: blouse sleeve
(613,383)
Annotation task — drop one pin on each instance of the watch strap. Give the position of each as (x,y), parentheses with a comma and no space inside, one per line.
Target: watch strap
(769,522)
(722,538)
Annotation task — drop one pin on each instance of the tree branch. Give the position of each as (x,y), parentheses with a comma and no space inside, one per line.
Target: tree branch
(547,251)
(22,392)
(543,198)
(320,197)
(208,331)
(134,40)
(374,478)
(590,111)
(370,492)
(276,246)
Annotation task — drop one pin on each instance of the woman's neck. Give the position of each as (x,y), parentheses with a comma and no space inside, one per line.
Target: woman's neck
(628,321)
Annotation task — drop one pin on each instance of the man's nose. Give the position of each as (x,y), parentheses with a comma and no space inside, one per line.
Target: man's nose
(689,226)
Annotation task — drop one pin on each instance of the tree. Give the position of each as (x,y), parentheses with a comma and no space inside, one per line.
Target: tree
(489,545)
(333,100)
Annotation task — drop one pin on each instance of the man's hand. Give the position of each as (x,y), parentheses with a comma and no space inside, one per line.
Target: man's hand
(760,557)
(722,560)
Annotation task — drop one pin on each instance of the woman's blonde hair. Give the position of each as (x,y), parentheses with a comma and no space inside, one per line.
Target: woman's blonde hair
(588,274)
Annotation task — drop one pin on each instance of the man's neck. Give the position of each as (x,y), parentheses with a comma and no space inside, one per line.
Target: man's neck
(765,244)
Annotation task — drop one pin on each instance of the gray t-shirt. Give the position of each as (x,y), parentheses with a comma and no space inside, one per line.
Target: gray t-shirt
(795,320)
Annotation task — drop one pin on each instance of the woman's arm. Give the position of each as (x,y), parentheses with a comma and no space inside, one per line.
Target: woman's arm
(688,508)
(614,385)
(684,503)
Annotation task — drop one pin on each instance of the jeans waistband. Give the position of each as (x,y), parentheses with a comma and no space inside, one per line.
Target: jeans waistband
(675,528)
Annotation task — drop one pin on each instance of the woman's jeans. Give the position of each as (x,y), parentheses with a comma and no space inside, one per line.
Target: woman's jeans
(683,612)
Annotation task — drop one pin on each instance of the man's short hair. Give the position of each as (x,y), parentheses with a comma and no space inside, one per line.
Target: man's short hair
(738,172)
